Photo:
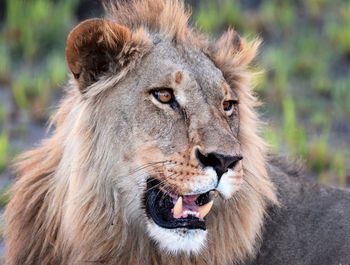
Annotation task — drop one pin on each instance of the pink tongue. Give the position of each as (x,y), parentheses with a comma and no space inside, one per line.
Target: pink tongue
(190,199)
(185,199)
(188,204)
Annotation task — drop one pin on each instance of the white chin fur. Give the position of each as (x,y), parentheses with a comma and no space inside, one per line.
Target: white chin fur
(180,240)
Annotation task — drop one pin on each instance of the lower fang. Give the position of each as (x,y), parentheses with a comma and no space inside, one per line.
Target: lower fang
(205,209)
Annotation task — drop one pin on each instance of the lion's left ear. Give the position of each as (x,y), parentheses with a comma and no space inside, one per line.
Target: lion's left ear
(93,47)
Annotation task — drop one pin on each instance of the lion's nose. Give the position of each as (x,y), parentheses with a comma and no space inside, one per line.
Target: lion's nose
(221,163)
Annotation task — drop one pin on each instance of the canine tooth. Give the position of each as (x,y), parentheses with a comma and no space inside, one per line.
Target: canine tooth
(178,207)
(204,210)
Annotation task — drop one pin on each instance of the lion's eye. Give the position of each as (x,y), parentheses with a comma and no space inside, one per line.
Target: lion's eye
(165,96)
(228,104)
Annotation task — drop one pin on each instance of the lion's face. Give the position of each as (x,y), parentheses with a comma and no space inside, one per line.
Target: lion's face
(177,131)
(156,143)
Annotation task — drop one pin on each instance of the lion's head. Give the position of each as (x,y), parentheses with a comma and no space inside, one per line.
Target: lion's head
(155,152)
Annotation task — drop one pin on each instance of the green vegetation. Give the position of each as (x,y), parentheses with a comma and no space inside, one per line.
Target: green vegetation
(32,65)
(35,31)
(4,196)
(306,85)
(3,150)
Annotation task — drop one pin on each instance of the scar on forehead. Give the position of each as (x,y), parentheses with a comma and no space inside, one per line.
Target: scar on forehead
(178,77)
(225,87)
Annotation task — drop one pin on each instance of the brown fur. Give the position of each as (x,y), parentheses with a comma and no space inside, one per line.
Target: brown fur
(63,212)
(82,43)
(178,77)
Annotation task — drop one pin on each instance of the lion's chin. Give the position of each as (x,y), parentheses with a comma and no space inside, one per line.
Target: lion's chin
(177,241)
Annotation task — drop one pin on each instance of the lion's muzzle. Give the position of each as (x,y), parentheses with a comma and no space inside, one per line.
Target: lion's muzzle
(169,210)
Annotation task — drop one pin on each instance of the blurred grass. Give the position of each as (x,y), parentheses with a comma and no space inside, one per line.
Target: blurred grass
(306,85)
(4,196)
(32,66)
(3,150)
(35,31)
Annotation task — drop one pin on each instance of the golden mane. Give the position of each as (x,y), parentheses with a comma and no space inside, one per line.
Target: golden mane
(61,213)
(167,17)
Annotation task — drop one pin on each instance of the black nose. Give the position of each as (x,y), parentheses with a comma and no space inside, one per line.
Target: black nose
(221,163)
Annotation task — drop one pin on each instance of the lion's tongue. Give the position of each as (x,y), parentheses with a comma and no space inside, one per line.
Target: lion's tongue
(186,205)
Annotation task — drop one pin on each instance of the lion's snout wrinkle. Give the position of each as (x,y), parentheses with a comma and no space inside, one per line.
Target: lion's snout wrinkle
(221,163)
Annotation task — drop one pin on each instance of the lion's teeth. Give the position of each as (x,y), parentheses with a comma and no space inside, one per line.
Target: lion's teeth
(178,207)
(204,210)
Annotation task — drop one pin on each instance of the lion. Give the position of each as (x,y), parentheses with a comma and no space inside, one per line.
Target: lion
(156,158)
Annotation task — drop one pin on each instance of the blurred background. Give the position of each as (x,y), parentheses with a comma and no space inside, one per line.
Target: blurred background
(305,85)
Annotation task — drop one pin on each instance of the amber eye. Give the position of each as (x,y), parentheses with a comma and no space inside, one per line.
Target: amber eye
(163,95)
(227,105)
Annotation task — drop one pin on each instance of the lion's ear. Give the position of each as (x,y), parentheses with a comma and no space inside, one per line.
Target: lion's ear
(93,47)
(233,50)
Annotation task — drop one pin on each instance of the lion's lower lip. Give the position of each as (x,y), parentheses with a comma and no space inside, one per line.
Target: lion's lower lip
(160,204)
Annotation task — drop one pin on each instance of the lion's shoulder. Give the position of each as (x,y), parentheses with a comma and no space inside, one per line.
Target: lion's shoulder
(312,224)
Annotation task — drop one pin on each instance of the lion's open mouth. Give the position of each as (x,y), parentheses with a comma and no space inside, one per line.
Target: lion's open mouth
(169,210)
